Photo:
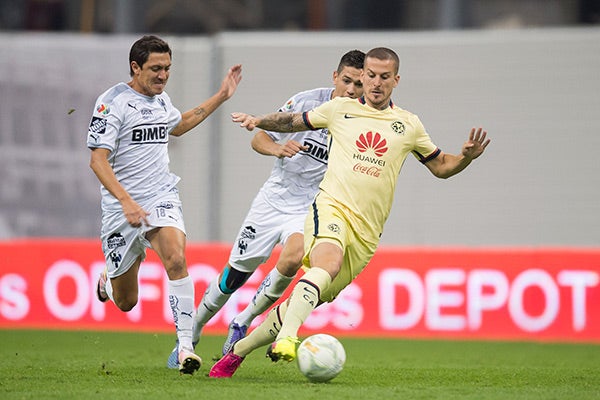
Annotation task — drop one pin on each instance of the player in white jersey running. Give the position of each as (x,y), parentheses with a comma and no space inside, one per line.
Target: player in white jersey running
(128,137)
(278,210)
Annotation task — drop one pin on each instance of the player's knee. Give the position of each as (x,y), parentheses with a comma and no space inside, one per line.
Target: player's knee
(289,269)
(126,303)
(288,266)
(231,279)
(290,259)
(176,266)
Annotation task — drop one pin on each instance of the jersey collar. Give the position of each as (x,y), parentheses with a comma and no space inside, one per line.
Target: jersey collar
(361,99)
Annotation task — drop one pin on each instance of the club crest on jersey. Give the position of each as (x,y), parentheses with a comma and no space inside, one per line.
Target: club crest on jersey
(247,234)
(103,109)
(372,141)
(115,258)
(335,228)
(398,127)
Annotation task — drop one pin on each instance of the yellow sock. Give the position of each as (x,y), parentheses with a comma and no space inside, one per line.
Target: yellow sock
(263,334)
(304,299)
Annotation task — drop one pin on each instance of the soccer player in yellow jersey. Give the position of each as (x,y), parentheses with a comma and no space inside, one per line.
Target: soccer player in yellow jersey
(369,140)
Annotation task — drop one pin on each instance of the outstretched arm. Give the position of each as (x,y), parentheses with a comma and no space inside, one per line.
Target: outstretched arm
(190,119)
(276,122)
(446,165)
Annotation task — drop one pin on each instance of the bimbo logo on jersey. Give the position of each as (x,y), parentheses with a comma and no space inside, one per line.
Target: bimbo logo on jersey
(149,134)
(316,150)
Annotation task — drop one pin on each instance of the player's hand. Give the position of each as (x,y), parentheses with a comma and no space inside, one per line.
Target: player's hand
(231,81)
(476,144)
(246,120)
(135,214)
(290,149)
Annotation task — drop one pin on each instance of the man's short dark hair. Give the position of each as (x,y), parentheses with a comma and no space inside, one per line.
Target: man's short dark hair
(353,58)
(140,51)
(383,53)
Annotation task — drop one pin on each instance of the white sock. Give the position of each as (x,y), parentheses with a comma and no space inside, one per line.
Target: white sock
(269,291)
(181,299)
(212,301)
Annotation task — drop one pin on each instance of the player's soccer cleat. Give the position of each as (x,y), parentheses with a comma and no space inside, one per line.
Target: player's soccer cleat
(101,287)
(189,362)
(236,332)
(226,366)
(283,349)
(173,360)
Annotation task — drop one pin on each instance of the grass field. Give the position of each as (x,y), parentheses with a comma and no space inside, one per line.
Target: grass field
(103,365)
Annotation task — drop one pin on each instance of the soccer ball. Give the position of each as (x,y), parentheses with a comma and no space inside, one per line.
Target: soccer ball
(321,357)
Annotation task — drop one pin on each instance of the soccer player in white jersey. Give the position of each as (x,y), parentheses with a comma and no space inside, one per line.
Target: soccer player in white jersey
(128,137)
(278,210)
(370,140)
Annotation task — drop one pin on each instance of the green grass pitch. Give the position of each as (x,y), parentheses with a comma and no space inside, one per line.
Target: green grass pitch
(109,365)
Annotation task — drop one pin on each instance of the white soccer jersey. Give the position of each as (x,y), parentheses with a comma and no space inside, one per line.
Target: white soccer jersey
(135,128)
(294,181)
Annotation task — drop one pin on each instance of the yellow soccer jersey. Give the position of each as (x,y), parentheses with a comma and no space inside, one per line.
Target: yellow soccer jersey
(367,148)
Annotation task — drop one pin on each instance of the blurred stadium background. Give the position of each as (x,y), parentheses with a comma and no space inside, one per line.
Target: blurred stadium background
(212,16)
(527,70)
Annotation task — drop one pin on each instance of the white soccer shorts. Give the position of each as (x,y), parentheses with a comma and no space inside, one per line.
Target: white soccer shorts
(122,243)
(263,228)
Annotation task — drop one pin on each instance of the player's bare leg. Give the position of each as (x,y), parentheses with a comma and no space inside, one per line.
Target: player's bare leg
(123,289)
(169,244)
(270,290)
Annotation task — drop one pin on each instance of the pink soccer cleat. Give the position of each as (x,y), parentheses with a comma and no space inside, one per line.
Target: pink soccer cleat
(226,366)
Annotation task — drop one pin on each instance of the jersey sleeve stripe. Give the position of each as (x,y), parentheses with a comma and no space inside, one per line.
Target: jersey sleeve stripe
(307,122)
(430,157)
